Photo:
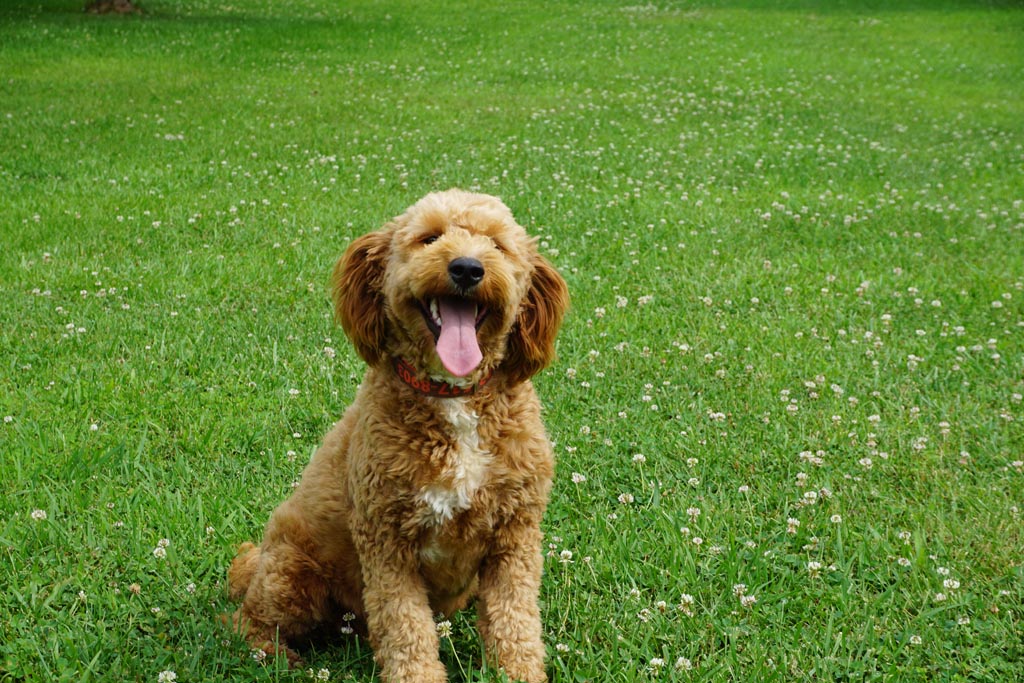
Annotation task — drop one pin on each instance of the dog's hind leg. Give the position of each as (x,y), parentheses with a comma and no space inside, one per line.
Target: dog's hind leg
(286,597)
(242,569)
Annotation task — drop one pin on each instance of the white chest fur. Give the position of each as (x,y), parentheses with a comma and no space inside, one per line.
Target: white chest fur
(466,466)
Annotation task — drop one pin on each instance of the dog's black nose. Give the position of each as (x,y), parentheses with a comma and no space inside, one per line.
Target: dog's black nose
(466,272)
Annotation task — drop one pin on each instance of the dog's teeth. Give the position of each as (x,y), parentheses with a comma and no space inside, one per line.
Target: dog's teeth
(434,312)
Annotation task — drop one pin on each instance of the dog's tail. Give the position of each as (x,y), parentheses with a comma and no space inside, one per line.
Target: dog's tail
(242,568)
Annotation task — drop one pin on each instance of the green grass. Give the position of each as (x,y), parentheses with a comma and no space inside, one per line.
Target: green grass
(794,236)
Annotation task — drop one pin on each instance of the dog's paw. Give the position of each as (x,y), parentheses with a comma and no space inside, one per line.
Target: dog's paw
(433,672)
(527,674)
(279,649)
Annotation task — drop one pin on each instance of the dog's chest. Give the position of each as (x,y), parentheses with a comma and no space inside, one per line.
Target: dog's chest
(464,467)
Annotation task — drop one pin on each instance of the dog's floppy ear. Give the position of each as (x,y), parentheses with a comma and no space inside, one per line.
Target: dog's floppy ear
(531,344)
(357,289)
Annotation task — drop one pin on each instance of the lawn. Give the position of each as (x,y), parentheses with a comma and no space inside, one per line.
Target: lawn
(787,409)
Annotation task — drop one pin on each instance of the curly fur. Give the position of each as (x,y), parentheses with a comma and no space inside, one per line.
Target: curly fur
(415,505)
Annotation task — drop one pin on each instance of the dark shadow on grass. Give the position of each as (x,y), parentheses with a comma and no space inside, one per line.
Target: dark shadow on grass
(182,10)
(168,27)
(169,10)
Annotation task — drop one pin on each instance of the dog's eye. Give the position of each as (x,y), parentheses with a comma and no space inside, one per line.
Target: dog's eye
(429,239)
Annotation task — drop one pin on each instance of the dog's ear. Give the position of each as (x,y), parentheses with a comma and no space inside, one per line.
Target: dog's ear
(357,289)
(531,344)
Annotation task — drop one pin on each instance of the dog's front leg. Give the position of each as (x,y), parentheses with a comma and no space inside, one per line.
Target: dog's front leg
(508,615)
(402,631)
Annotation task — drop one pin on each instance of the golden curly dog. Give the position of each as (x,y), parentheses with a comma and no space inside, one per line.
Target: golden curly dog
(430,489)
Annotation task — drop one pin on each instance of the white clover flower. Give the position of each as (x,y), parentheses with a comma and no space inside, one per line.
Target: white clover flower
(686,603)
(683,664)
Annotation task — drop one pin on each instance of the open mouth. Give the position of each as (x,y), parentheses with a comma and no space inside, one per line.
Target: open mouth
(459,311)
(454,322)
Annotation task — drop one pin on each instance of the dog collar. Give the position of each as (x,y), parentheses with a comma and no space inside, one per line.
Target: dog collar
(430,387)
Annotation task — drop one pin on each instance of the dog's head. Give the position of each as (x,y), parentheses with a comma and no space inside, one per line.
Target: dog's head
(456,287)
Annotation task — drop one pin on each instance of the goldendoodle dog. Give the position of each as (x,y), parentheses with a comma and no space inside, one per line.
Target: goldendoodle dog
(430,489)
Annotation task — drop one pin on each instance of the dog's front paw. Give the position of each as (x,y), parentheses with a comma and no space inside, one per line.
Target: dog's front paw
(526,672)
(428,672)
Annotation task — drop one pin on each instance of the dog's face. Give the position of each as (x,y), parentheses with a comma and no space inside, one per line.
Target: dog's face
(454,286)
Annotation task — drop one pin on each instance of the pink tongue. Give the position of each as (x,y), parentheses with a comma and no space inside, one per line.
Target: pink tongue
(457,346)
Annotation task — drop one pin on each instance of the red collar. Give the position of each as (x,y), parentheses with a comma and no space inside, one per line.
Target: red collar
(430,387)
